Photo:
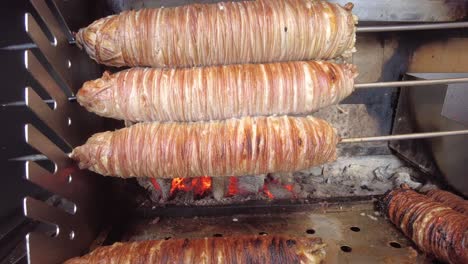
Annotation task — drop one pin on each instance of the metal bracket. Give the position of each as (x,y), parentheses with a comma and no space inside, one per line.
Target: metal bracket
(75,229)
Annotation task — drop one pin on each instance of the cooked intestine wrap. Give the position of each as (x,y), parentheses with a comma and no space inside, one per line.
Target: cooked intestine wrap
(245,249)
(218,92)
(234,147)
(223,33)
(451,200)
(434,227)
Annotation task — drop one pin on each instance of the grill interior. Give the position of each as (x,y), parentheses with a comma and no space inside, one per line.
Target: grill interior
(68,211)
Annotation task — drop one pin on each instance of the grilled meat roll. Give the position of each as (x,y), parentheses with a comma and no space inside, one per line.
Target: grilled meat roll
(223,33)
(218,92)
(211,250)
(234,147)
(449,199)
(434,227)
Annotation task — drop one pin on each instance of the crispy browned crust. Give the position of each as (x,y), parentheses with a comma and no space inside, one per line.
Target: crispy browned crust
(435,228)
(223,33)
(449,199)
(234,147)
(211,250)
(218,92)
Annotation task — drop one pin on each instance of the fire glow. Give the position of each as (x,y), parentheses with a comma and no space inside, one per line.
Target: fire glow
(233,188)
(270,195)
(200,186)
(267,192)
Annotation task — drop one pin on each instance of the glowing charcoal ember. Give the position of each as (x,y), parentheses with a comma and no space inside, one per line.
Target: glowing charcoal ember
(233,188)
(199,186)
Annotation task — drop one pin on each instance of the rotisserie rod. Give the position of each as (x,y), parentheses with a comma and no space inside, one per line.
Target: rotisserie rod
(356,86)
(234,147)
(218,92)
(211,250)
(449,199)
(223,33)
(406,136)
(412,27)
(434,227)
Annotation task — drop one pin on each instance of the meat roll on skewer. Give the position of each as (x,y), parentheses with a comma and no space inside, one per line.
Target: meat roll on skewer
(218,92)
(434,227)
(211,250)
(449,199)
(224,33)
(234,147)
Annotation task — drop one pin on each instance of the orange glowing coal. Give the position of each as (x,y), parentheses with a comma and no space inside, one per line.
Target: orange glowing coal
(178,184)
(267,192)
(233,188)
(200,185)
(288,187)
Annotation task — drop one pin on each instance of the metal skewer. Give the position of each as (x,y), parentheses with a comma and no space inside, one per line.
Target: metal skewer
(409,27)
(405,136)
(356,86)
(47,101)
(409,83)
(344,140)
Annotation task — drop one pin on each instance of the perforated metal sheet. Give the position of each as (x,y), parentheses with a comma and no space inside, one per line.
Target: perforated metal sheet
(354,233)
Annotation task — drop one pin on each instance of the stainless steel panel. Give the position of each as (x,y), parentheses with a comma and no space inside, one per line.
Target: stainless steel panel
(420,110)
(409,11)
(43,144)
(44,78)
(71,124)
(44,249)
(55,119)
(50,20)
(455,105)
(366,10)
(58,183)
(57,57)
(40,211)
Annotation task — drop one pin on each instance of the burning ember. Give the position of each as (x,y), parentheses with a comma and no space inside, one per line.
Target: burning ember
(199,186)
(273,187)
(270,187)
(233,187)
(267,192)
(155,184)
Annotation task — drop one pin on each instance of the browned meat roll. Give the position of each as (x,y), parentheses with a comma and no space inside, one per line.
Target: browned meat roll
(219,92)
(234,147)
(223,33)
(434,227)
(449,199)
(211,250)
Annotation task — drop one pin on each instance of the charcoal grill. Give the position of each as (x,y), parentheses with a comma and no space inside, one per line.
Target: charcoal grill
(75,210)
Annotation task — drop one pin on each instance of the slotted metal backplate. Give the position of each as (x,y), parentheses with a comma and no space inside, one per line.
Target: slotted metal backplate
(77,226)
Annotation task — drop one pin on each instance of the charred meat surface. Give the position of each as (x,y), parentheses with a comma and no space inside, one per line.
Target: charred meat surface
(234,147)
(238,249)
(218,92)
(223,33)
(434,227)
(449,199)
